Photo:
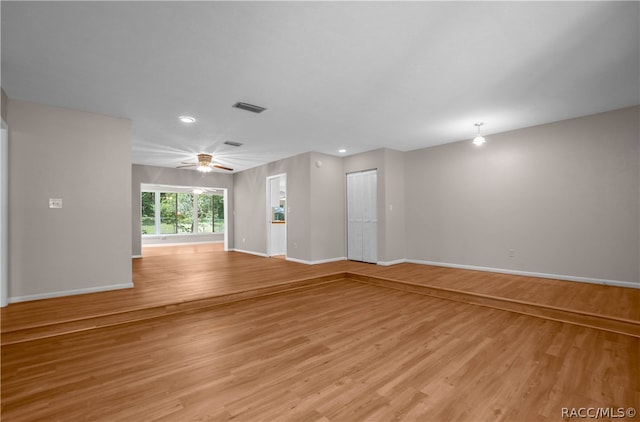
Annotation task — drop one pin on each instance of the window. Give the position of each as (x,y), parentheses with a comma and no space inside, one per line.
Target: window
(181,213)
(210,214)
(168,211)
(148,212)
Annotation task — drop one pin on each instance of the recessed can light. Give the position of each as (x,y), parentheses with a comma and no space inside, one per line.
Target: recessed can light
(186,119)
(342,150)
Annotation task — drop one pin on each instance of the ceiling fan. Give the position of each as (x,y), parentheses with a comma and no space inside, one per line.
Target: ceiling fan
(205,164)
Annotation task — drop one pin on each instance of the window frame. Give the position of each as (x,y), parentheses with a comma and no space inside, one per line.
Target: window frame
(194,218)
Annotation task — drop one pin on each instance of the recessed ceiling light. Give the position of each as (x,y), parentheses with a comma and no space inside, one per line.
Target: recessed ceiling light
(186,119)
(342,150)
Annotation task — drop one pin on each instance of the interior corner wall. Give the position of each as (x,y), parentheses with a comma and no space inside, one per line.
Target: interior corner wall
(560,198)
(85,160)
(327,212)
(250,207)
(175,177)
(394,206)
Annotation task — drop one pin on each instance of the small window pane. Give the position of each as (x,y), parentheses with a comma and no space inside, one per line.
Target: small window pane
(205,214)
(148,213)
(184,214)
(218,213)
(168,213)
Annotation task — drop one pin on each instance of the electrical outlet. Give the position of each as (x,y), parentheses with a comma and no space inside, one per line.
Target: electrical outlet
(511,253)
(55,202)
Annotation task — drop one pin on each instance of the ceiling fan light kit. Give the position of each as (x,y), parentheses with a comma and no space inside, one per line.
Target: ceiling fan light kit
(205,164)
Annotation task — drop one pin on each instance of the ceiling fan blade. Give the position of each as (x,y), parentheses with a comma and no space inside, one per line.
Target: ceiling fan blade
(222,167)
(188,165)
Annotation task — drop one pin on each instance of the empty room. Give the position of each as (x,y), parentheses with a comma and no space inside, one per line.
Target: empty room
(320,211)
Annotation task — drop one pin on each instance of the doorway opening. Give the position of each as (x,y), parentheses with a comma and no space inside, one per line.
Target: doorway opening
(277,216)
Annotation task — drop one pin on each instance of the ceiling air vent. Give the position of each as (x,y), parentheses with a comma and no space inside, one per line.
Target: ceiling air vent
(249,107)
(232,143)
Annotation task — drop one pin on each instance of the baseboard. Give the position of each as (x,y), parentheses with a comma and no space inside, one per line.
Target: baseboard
(136,256)
(319,261)
(50,295)
(249,252)
(394,262)
(605,282)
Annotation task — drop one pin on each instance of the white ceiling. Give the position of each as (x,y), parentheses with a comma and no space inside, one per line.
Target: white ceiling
(354,75)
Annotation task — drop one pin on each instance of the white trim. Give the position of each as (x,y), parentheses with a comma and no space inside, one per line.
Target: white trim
(268,211)
(319,261)
(264,255)
(153,245)
(136,256)
(70,292)
(617,283)
(388,263)
(225,210)
(170,235)
(4,215)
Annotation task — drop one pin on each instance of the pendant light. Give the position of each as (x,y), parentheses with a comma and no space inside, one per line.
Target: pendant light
(479,139)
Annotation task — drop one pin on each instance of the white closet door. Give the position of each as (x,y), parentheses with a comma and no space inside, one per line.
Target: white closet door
(354,221)
(362,221)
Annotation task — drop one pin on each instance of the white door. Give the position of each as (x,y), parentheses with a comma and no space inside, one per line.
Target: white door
(362,218)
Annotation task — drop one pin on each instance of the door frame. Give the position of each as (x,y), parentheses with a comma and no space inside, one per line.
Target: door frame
(4,215)
(268,211)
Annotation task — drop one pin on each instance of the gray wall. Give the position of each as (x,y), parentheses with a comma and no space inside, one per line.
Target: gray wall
(250,206)
(327,212)
(85,159)
(563,196)
(394,206)
(177,177)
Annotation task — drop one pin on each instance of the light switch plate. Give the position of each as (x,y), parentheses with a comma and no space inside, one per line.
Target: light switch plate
(55,202)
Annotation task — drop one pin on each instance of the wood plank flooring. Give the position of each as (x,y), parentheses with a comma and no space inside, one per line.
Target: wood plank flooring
(166,276)
(179,274)
(339,351)
(344,351)
(599,299)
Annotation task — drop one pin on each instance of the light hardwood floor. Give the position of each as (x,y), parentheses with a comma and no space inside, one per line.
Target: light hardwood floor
(345,351)
(179,274)
(342,350)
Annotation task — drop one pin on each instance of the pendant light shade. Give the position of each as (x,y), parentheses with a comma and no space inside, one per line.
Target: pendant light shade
(479,139)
